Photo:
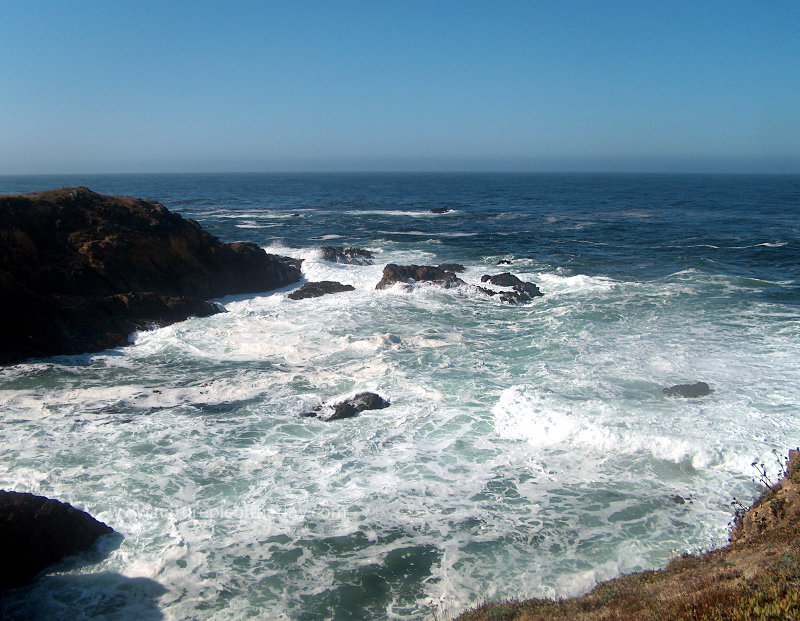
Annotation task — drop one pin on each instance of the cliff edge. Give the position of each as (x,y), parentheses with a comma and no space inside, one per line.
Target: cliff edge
(756,576)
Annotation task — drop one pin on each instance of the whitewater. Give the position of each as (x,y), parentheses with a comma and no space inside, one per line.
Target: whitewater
(528,451)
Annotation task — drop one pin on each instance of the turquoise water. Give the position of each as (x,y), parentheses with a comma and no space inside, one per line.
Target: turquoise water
(528,450)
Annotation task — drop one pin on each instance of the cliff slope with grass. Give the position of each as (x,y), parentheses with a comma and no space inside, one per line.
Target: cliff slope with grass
(755,577)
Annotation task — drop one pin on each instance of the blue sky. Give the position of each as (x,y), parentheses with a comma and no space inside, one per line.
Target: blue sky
(423,86)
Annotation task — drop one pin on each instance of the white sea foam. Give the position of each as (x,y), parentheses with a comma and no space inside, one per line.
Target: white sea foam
(517,439)
(556,284)
(399,213)
(254,225)
(428,234)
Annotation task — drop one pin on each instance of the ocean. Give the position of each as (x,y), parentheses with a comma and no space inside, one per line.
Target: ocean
(528,451)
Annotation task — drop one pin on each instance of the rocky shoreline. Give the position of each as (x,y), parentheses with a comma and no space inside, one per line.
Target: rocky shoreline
(81,271)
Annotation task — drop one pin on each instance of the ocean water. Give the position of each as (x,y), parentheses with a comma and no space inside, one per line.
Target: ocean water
(528,451)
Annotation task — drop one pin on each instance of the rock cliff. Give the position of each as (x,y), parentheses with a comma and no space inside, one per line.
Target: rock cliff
(80,271)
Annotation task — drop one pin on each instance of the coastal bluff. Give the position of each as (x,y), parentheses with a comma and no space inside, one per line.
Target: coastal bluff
(756,576)
(80,271)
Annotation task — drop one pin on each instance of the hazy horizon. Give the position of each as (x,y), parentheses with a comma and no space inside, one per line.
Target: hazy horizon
(377,87)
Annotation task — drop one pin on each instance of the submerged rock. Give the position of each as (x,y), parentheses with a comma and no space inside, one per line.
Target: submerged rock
(81,271)
(409,274)
(318,289)
(689,391)
(440,210)
(36,532)
(521,290)
(349,256)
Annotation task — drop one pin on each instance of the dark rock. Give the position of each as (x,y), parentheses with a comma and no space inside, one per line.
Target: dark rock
(690,391)
(522,291)
(145,310)
(349,256)
(440,210)
(350,407)
(678,500)
(317,289)
(409,274)
(506,279)
(456,268)
(518,296)
(298,263)
(79,271)
(362,401)
(504,262)
(36,532)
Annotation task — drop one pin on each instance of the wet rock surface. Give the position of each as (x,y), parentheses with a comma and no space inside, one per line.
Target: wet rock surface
(352,406)
(688,391)
(410,274)
(521,290)
(318,289)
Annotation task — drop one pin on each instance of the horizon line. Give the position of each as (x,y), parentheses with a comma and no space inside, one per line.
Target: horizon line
(406,172)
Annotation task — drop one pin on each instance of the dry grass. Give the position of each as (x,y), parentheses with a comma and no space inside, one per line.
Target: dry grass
(755,577)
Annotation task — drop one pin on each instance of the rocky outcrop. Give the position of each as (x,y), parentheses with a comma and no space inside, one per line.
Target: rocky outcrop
(410,274)
(440,210)
(521,291)
(318,289)
(453,267)
(444,276)
(506,279)
(79,271)
(689,391)
(352,406)
(349,256)
(362,401)
(36,532)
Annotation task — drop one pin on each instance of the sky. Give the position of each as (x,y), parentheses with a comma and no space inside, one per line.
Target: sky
(348,85)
